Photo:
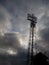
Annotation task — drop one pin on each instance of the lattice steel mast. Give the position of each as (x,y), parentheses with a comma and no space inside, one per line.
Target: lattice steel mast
(33,20)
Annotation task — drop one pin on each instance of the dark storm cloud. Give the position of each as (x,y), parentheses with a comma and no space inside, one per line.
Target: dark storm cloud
(9,40)
(18,10)
(2,16)
(45,20)
(45,35)
(46,2)
(11,44)
(1,1)
(43,42)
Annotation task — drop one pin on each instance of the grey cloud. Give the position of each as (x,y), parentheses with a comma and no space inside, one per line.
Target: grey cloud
(43,43)
(5,24)
(45,35)
(2,16)
(45,20)
(46,2)
(18,11)
(10,40)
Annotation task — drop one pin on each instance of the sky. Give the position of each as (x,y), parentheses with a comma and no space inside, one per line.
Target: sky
(15,26)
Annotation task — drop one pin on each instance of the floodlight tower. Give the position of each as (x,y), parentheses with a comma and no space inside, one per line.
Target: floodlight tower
(33,22)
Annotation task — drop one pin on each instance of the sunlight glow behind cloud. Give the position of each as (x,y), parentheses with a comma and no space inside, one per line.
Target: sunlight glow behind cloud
(11,52)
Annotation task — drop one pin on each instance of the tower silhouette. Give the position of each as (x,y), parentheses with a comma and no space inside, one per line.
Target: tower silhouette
(33,22)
